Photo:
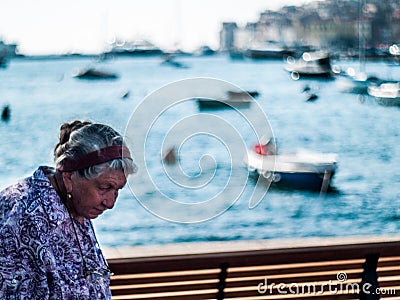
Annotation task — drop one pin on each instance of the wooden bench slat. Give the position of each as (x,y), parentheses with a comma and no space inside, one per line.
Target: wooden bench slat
(210,296)
(389,268)
(299,273)
(317,264)
(283,271)
(120,282)
(188,294)
(165,286)
(163,277)
(390,281)
(166,274)
(390,258)
(256,282)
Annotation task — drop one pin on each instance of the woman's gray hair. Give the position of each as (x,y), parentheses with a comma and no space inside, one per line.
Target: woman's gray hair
(80,138)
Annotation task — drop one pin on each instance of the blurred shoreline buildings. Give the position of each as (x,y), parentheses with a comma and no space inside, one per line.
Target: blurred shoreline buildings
(341,28)
(138,47)
(7,51)
(337,26)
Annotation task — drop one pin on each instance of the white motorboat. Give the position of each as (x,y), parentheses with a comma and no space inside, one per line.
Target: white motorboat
(300,170)
(387,94)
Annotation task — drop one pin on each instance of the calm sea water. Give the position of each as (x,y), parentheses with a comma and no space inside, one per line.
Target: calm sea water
(42,95)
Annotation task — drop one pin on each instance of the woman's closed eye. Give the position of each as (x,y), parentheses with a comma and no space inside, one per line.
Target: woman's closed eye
(107,188)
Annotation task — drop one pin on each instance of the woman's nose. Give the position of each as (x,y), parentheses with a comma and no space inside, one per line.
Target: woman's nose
(109,202)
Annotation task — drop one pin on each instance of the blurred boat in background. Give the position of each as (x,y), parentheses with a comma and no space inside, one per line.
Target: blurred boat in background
(386,94)
(270,50)
(6,51)
(170,60)
(6,113)
(311,64)
(133,48)
(234,99)
(207,103)
(93,74)
(356,83)
(301,170)
(242,94)
(3,60)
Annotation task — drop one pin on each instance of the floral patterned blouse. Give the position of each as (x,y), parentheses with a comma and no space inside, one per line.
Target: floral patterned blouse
(40,257)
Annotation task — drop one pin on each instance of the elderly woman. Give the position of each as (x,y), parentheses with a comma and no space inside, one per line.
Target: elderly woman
(48,248)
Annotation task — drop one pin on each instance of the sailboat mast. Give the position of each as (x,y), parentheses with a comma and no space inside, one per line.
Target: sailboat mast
(179,27)
(362,35)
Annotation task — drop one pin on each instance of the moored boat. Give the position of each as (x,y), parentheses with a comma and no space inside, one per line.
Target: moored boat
(242,94)
(169,60)
(311,64)
(234,99)
(386,94)
(267,53)
(92,73)
(300,170)
(134,48)
(354,82)
(206,103)
(357,84)
(268,50)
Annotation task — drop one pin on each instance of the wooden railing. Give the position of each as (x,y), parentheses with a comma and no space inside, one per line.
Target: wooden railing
(358,268)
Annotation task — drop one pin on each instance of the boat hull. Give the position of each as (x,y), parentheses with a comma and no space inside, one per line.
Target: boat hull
(267,54)
(297,180)
(93,74)
(386,94)
(351,85)
(307,171)
(211,104)
(314,65)
(301,71)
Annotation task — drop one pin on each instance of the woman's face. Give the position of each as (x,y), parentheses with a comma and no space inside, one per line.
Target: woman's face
(91,197)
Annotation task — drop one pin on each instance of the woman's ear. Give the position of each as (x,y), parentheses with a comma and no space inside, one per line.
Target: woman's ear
(67,178)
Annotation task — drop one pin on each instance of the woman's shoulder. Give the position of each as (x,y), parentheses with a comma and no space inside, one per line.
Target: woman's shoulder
(27,196)
(12,195)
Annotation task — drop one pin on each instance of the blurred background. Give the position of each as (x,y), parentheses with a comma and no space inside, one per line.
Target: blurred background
(326,74)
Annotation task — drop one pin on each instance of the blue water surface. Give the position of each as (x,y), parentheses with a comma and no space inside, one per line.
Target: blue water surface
(42,95)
